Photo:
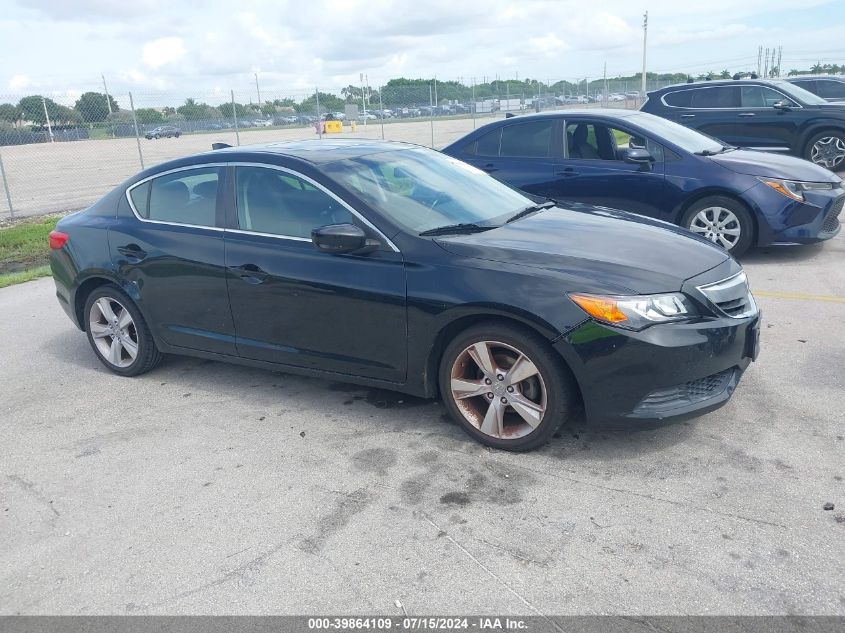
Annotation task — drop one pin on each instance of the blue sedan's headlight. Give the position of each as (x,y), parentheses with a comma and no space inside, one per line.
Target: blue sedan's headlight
(793,188)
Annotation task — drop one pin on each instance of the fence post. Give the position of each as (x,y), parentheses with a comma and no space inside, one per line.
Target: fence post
(431,114)
(137,134)
(235,118)
(319,122)
(381,107)
(472,106)
(6,187)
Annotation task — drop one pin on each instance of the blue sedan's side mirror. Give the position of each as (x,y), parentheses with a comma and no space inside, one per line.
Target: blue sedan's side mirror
(638,156)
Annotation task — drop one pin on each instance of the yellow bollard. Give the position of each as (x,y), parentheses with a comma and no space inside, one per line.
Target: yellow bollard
(353,126)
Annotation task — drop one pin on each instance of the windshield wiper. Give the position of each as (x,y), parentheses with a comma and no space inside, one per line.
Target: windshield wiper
(529,210)
(463,227)
(710,152)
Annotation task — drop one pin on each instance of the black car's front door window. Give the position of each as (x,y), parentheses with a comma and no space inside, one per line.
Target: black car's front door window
(279,203)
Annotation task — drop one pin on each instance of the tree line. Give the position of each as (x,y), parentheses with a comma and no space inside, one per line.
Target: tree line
(98,108)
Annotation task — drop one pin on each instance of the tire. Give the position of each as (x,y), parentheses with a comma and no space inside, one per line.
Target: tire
(827,149)
(178,134)
(101,332)
(703,218)
(550,388)
(158,135)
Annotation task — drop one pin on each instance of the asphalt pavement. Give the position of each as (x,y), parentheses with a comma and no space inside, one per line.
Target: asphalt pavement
(210,488)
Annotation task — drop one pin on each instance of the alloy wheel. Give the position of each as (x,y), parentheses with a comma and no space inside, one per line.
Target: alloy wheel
(717,224)
(113,332)
(498,389)
(828,151)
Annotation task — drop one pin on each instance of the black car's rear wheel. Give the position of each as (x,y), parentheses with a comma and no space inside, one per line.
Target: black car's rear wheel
(118,333)
(505,387)
(722,220)
(827,149)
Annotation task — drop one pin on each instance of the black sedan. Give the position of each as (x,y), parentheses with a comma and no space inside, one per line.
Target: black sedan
(164,131)
(395,266)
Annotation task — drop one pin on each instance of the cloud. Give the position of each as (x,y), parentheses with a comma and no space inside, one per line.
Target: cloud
(163,51)
(19,82)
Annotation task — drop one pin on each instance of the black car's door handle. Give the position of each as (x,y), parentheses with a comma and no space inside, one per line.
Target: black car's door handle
(746,114)
(489,168)
(687,116)
(250,273)
(133,251)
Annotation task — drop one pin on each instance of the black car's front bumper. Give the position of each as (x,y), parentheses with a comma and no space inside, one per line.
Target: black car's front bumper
(664,371)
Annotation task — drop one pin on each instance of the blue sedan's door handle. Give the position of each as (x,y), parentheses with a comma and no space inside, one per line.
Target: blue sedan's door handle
(567,172)
(250,273)
(490,168)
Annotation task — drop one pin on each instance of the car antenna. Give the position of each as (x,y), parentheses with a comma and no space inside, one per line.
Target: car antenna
(220,145)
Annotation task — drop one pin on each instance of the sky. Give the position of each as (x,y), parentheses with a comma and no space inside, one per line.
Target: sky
(60,48)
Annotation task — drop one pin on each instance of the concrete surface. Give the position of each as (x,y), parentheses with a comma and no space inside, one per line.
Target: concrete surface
(210,488)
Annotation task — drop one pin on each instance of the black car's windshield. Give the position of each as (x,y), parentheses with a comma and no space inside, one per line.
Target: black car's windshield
(677,134)
(421,189)
(799,94)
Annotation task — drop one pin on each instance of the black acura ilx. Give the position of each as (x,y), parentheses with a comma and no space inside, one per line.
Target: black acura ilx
(395,266)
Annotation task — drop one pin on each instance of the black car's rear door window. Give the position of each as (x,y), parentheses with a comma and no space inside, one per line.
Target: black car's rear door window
(188,196)
(716,97)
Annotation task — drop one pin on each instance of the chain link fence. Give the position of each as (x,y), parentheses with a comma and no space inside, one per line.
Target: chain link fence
(60,155)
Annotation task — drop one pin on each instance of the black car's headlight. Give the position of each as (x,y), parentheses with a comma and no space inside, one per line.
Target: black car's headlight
(638,311)
(794,188)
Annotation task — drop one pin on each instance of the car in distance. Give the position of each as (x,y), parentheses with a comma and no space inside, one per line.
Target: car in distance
(163,131)
(764,114)
(395,266)
(645,164)
(829,87)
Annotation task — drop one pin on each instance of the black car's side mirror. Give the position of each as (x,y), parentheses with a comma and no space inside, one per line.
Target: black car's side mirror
(637,156)
(782,105)
(341,238)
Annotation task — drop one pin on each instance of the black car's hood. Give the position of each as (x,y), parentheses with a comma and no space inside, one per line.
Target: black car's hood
(603,249)
(770,165)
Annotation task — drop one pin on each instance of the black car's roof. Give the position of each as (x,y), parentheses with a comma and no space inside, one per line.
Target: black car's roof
(319,151)
(720,82)
(601,113)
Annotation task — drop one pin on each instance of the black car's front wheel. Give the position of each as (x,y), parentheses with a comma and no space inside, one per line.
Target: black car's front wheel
(118,333)
(827,149)
(722,220)
(505,386)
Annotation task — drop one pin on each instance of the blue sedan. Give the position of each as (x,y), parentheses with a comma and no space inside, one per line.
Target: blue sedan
(642,163)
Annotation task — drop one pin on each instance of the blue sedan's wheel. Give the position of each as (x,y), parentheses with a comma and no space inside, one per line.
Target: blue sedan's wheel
(722,220)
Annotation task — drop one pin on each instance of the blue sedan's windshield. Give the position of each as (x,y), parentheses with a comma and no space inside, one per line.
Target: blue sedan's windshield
(421,189)
(675,133)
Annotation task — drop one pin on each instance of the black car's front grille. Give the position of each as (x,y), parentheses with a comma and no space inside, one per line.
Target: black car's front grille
(831,220)
(685,394)
(731,296)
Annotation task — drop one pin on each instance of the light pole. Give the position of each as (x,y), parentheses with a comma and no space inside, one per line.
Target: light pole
(645,39)
(257,90)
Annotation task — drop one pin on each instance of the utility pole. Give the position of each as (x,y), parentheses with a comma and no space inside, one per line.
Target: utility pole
(604,95)
(766,64)
(780,57)
(645,39)
(257,90)
(105,88)
(759,61)
(47,116)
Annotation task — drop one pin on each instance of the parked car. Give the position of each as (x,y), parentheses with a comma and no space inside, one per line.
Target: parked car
(615,96)
(364,115)
(633,94)
(339,116)
(285,120)
(651,166)
(163,131)
(770,115)
(396,266)
(828,87)
(263,123)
